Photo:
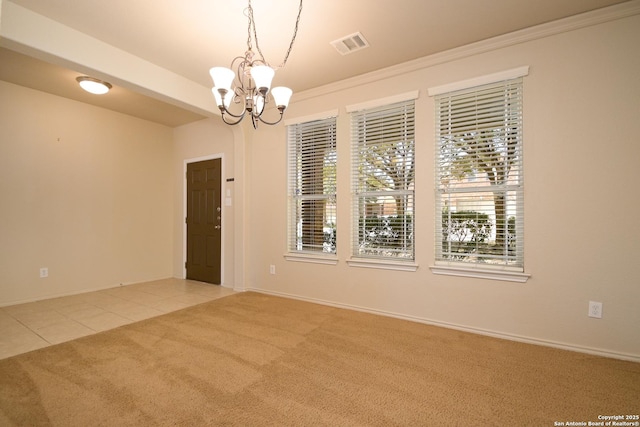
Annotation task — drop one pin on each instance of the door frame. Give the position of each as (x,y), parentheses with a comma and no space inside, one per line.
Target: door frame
(223,182)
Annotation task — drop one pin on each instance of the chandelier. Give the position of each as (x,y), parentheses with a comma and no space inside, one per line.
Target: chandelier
(248,81)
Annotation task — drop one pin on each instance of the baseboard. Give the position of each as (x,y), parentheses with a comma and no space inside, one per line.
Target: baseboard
(479,331)
(72,293)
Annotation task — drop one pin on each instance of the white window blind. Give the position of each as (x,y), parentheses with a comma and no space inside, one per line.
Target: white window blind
(479,176)
(312,186)
(383,173)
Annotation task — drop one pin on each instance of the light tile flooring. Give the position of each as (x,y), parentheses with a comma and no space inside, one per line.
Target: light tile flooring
(34,325)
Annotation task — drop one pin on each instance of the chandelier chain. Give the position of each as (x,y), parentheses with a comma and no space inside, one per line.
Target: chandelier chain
(252,25)
(252,79)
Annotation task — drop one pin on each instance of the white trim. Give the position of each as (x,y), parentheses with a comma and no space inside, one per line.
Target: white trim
(572,23)
(506,275)
(36,35)
(184,212)
(500,76)
(463,328)
(78,292)
(311,118)
(382,264)
(407,96)
(311,258)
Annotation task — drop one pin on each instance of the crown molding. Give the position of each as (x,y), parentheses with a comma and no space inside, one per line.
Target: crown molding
(572,23)
(500,76)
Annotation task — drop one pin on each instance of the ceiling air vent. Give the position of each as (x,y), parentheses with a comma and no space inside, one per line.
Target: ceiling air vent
(350,43)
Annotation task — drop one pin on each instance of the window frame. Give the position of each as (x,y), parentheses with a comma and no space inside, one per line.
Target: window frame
(478,269)
(357,112)
(326,125)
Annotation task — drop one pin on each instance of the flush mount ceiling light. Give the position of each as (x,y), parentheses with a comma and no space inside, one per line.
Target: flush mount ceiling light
(95,86)
(252,80)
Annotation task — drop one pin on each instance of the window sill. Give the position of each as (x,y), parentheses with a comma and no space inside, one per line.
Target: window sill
(311,258)
(382,264)
(485,273)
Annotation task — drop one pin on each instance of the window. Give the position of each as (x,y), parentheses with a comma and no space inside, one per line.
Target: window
(479,180)
(312,186)
(383,173)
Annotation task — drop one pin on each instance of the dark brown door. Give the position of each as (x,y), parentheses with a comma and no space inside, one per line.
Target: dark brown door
(204,226)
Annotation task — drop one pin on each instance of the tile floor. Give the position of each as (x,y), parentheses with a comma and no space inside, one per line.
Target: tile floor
(30,326)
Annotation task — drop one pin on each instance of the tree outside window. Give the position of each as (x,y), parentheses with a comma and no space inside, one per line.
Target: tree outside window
(312,186)
(479,195)
(384,180)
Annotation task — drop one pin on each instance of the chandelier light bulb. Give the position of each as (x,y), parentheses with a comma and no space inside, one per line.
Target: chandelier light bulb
(222,77)
(251,77)
(218,96)
(258,102)
(281,95)
(262,75)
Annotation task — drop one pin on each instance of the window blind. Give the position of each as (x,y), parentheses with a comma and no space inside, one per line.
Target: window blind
(383,173)
(479,175)
(312,185)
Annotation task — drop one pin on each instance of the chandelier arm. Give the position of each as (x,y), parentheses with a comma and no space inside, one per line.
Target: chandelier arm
(224,110)
(233,123)
(239,60)
(272,123)
(247,92)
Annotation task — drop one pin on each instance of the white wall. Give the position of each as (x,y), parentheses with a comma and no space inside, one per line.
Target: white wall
(84,192)
(582,235)
(204,139)
(97,197)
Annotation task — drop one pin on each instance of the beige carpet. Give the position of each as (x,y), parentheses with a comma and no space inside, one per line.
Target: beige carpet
(257,360)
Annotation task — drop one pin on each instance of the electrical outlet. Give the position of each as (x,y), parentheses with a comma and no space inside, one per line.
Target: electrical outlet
(272,269)
(44,272)
(595,309)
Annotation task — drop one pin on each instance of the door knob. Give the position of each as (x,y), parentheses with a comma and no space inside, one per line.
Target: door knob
(218,227)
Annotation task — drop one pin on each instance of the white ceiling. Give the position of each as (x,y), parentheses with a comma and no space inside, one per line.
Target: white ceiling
(188,37)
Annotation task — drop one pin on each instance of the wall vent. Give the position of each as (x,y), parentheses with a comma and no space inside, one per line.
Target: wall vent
(350,43)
